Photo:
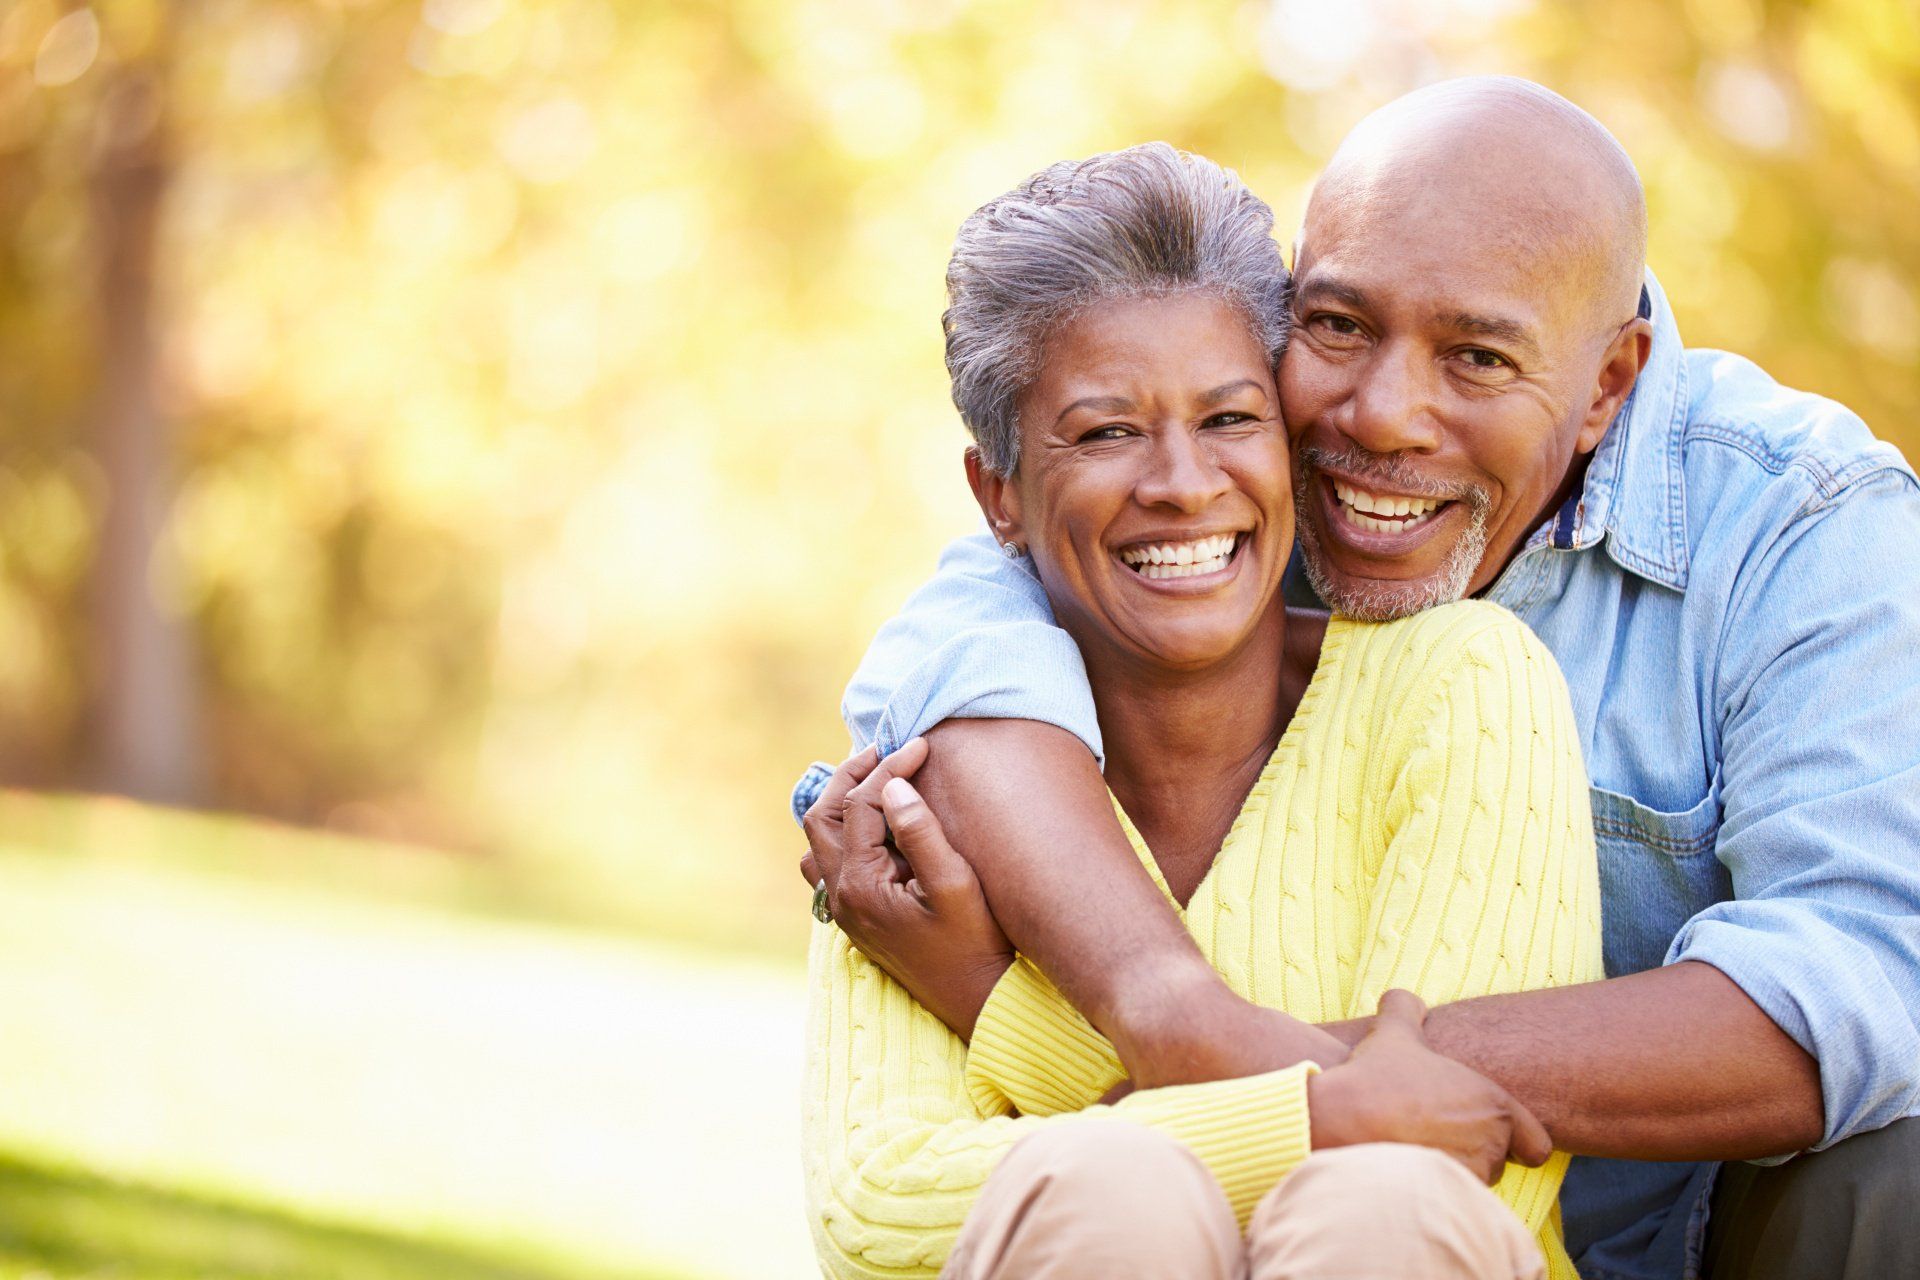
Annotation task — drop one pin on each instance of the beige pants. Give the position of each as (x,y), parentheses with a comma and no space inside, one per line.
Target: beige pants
(1109,1199)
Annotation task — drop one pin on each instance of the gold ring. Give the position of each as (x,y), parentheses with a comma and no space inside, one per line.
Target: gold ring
(821,911)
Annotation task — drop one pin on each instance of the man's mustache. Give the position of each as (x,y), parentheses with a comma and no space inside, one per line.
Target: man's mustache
(1390,473)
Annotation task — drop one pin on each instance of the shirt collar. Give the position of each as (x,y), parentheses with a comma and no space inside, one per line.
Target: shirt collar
(1635,491)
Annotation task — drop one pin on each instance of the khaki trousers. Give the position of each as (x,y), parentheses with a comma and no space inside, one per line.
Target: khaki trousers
(1108,1199)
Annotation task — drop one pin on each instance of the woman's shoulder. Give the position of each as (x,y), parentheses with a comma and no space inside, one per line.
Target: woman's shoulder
(1463,624)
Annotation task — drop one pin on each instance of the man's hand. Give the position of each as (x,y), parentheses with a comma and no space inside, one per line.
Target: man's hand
(1394,1088)
(899,891)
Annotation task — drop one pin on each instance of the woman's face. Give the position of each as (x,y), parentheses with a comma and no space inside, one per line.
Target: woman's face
(1153,489)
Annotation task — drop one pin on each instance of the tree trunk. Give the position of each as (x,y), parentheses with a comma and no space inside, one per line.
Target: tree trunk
(143,723)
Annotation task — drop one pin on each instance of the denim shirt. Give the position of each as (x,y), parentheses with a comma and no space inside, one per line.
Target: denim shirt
(1734,596)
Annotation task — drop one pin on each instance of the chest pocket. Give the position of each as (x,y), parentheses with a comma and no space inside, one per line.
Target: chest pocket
(1657,870)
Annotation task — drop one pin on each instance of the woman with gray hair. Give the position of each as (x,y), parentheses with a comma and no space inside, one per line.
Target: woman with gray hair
(1112,336)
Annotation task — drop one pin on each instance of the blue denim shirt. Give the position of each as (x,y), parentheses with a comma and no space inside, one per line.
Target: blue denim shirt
(1734,596)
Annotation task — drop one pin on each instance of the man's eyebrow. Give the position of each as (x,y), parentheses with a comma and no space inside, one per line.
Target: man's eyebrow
(1498,328)
(1099,404)
(1333,289)
(1226,389)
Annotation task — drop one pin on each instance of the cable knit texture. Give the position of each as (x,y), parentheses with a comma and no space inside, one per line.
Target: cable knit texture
(1422,824)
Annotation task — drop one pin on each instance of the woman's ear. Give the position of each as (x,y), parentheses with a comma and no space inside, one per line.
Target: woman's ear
(999,499)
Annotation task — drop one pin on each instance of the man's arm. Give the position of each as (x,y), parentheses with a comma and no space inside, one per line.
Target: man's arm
(1676,1063)
(1027,802)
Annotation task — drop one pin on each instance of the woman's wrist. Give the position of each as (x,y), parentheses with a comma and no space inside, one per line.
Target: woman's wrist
(969,993)
(1188,1031)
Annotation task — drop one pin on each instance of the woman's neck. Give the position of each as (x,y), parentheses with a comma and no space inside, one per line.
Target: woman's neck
(1185,747)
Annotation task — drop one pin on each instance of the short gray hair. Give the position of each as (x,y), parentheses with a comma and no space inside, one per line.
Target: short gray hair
(1145,222)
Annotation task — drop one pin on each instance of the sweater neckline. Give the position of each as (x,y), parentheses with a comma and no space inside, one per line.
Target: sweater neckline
(1325,671)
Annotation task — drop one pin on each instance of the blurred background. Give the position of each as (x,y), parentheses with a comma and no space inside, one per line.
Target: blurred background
(452,453)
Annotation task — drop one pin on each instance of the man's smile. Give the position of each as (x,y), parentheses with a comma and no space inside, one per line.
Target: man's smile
(1378,522)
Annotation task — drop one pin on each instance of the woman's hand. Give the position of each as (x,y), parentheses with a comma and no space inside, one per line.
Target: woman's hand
(899,891)
(1393,1088)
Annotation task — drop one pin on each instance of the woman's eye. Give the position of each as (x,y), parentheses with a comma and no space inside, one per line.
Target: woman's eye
(1112,431)
(1231,419)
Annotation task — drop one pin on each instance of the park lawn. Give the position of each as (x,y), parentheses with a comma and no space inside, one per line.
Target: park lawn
(60,1222)
(210,1076)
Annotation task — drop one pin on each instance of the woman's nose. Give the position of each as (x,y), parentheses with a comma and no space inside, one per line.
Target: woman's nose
(1182,474)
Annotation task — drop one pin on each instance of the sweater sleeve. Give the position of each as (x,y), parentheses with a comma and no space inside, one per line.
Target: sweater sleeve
(1489,882)
(896,1151)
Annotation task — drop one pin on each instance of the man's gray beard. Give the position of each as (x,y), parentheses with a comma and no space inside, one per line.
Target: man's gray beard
(1378,601)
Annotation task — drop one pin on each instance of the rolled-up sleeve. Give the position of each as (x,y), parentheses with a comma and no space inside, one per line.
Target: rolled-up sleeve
(978,641)
(1820,780)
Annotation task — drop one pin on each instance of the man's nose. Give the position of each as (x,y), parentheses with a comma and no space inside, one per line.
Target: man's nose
(1183,474)
(1391,409)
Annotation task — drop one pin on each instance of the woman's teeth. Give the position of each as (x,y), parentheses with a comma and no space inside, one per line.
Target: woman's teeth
(1383,513)
(1181,559)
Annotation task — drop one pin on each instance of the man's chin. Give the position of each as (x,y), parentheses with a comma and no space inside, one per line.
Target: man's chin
(1385,599)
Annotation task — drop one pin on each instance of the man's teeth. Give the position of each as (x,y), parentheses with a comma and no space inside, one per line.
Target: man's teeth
(1383,513)
(1181,559)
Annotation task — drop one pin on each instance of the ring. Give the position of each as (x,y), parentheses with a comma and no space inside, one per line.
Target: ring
(821,911)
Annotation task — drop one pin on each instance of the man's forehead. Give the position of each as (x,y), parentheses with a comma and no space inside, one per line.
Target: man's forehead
(1493,300)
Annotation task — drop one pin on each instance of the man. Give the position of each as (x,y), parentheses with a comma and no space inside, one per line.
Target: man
(1484,398)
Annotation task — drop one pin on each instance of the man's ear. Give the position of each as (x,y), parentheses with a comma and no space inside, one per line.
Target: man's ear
(1626,356)
(999,499)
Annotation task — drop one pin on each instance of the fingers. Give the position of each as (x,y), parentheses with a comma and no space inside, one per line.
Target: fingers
(1402,1013)
(853,771)
(865,820)
(941,874)
(1530,1144)
(822,823)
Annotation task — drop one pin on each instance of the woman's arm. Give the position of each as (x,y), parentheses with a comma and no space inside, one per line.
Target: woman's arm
(896,1150)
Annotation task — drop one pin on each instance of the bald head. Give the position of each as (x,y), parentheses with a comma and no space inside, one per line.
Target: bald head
(1514,165)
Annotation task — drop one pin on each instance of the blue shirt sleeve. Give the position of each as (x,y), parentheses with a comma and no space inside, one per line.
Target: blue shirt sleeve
(978,641)
(1820,785)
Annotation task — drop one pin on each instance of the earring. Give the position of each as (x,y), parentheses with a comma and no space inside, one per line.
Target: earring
(1011,549)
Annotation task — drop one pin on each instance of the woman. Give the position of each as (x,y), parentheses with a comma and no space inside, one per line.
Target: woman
(1402,804)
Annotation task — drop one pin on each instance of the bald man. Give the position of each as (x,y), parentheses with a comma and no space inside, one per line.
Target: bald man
(1487,395)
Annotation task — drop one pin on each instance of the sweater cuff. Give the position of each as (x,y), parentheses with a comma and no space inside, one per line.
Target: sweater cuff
(1032,1049)
(1250,1133)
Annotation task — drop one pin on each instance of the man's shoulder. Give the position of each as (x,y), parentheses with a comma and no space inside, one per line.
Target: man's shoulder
(1745,434)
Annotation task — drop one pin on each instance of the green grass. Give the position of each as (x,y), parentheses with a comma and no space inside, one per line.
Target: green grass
(617,898)
(209,1073)
(57,1223)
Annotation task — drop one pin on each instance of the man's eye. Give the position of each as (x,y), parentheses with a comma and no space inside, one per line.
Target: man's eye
(1481,358)
(1337,325)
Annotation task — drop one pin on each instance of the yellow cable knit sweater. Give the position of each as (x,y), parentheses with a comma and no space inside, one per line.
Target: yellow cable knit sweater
(1422,824)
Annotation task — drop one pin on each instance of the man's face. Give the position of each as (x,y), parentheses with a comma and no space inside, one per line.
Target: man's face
(1438,389)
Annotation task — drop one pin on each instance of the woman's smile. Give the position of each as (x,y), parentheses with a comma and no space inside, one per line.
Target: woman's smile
(1181,565)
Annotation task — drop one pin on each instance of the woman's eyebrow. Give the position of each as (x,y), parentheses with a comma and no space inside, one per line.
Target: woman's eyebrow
(1099,404)
(1226,389)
